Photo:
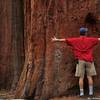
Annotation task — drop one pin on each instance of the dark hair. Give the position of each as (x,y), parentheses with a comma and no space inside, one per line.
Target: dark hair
(82,33)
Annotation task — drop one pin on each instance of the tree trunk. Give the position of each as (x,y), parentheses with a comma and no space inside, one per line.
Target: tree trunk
(17,40)
(5,44)
(36,67)
(11,43)
(49,67)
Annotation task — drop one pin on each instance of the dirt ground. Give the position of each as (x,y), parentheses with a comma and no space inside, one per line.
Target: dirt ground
(5,95)
(76,97)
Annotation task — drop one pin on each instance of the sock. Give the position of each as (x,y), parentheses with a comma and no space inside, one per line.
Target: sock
(90,90)
(81,92)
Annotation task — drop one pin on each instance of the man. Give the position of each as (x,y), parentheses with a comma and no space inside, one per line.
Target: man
(83,51)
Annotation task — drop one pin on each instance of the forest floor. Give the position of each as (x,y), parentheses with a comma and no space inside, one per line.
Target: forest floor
(77,97)
(6,95)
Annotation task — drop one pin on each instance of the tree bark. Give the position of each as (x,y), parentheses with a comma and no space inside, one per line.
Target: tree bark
(40,68)
(11,43)
(49,67)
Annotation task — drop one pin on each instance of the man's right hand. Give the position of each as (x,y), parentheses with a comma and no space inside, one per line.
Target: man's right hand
(54,39)
(59,40)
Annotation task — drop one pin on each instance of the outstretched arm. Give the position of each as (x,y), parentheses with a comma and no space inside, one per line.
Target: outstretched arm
(54,39)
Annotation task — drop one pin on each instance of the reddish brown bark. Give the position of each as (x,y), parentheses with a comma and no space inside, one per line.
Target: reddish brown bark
(48,68)
(5,42)
(11,43)
(53,64)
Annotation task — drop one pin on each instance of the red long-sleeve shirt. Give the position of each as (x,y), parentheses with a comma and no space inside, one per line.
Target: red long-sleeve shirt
(83,47)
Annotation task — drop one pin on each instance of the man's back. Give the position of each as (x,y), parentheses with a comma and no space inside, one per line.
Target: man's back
(83,47)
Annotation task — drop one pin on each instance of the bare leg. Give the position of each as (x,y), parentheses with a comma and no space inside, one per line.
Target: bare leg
(81,86)
(90,81)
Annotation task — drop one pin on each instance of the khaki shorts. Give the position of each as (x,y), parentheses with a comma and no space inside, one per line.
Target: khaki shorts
(83,67)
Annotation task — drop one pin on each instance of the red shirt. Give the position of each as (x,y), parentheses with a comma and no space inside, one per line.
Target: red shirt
(83,47)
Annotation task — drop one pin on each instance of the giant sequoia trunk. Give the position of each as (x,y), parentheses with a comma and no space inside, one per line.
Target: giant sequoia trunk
(27,26)
(49,67)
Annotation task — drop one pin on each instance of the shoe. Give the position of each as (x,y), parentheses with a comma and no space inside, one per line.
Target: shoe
(81,94)
(91,94)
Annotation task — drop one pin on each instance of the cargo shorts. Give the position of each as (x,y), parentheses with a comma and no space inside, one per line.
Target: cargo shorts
(84,67)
